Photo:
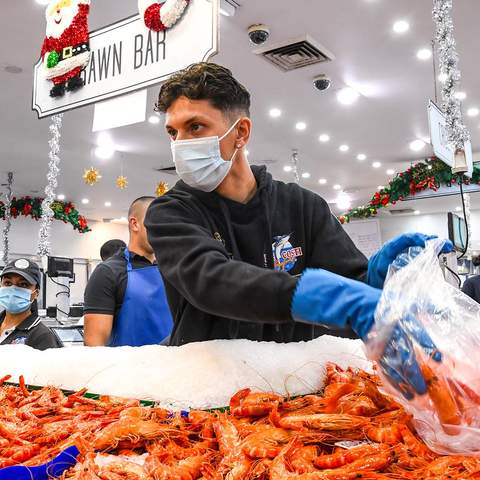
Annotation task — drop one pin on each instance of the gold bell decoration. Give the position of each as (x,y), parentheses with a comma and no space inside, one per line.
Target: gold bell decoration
(121,182)
(92,176)
(162,189)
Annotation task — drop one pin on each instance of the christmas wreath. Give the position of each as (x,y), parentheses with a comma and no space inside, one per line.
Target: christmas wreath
(427,175)
(32,207)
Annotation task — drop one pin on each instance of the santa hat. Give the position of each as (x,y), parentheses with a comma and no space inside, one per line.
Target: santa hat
(161,16)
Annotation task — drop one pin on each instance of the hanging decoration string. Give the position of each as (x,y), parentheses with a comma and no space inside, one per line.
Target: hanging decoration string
(8,219)
(44,246)
(458,133)
(295,166)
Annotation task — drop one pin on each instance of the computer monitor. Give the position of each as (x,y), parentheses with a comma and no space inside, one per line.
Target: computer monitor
(60,267)
(457,231)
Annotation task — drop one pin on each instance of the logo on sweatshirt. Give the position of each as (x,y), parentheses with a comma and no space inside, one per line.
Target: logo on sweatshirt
(285,255)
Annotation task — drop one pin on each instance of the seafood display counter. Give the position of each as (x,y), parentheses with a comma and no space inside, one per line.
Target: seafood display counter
(229,409)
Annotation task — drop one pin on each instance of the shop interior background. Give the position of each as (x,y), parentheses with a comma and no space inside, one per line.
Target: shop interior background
(382,65)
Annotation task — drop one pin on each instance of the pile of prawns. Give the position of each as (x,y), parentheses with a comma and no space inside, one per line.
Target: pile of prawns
(350,431)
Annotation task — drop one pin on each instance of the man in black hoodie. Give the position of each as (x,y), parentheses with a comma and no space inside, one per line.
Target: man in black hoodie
(231,242)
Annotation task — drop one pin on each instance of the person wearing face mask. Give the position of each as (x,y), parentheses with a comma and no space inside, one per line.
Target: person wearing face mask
(19,322)
(246,256)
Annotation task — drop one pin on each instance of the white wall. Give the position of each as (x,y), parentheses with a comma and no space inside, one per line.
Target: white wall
(434,224)
(65,241)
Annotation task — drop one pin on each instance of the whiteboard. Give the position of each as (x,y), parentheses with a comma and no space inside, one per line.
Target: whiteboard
(366,235)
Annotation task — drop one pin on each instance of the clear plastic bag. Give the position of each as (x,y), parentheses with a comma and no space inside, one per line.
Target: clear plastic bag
(417,299)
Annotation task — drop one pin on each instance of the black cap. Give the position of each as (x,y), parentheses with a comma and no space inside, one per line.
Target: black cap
(25,268)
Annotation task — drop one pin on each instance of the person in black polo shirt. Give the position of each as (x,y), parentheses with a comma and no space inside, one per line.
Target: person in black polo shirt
(19,322)
(125,301)
(110,248)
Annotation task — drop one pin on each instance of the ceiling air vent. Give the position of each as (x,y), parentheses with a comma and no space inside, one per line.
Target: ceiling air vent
(400,211)
(297,53)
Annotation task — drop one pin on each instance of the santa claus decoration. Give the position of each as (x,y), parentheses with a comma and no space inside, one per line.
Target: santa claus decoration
(66,49)
(161,16)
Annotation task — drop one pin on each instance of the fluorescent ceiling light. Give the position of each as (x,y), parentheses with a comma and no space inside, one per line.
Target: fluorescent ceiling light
(347,96)
(424,54)
(417,145)
(401,26)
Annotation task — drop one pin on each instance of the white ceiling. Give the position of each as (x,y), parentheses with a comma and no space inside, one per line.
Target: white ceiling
(358,32)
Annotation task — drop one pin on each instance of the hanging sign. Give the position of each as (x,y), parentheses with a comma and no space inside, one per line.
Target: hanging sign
(127,56)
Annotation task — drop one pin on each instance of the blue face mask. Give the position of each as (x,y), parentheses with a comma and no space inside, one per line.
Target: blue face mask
(15,299)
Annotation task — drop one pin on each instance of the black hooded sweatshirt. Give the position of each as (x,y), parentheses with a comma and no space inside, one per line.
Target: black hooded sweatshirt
(231,269)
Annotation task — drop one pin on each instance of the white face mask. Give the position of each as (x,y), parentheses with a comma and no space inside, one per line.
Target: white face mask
(199,162)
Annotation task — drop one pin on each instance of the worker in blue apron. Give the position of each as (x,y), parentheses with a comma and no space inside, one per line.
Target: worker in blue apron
(145,315)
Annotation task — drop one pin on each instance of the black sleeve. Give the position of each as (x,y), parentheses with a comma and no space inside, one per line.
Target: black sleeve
(43,339)
(199,268)
(469,288)
(100,291)
(333,249)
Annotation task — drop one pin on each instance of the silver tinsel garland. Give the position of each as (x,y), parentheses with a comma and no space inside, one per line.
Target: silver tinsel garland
(448,59)
(295,166)
(44,246)
(8,219)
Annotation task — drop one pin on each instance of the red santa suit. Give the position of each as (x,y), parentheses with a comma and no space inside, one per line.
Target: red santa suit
(72,46)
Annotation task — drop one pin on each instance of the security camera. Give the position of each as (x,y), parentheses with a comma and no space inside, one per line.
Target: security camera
(322,83)
(258,34)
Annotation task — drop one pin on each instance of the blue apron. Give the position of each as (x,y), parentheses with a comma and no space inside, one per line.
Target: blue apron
(145,317)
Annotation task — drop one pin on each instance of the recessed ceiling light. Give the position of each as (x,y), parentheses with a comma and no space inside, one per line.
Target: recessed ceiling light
(301,126)
(458,209)
(473,112)
(347,96)
(306,175)
(361,157)
(417,145)
(154,119)
(442,78)
(43,2)
(344,148)
(401,26)
(376,164)
(275,113)
(108,204)
(322,181)
(61,197)
(424,54)
(247,152)
(337,187)
(380,187)
(85,201)
(324,138)
(460,95)
(417,212)
(390,171)
(287,168)
(104,152)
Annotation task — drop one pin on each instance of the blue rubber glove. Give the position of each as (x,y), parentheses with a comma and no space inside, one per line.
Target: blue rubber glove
(52,469)
(399,362)
(379,263)
(327,299)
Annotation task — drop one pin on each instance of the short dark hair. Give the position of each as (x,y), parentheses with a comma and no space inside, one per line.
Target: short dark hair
(110,248)
(205,81)
(137,202)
